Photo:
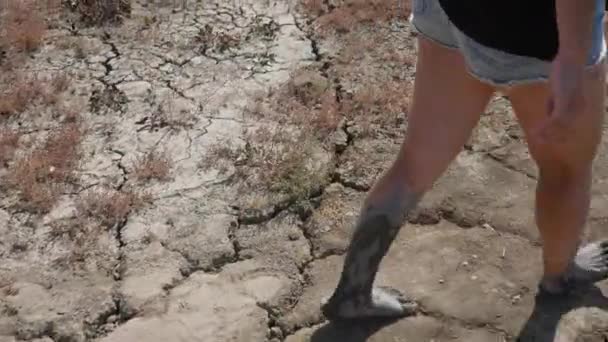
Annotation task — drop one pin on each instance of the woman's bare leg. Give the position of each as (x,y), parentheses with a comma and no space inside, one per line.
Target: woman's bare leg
(563,191)
(447,104)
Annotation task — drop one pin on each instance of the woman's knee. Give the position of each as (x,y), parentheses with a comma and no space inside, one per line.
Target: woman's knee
(560,168)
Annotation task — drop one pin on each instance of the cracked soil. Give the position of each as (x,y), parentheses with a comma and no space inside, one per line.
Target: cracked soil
(236,242)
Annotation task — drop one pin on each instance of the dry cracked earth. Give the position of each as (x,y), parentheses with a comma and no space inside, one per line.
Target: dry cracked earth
(273,121)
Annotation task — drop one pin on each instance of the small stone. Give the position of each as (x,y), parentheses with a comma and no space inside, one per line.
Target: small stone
(293,235)
(112,319)
(340,140)
(275,332)
(473,277)
(441,281)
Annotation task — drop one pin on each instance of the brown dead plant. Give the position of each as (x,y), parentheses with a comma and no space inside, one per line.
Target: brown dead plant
(100,12)
(9,140)
(211,40)
(295,127)
(41,175)
(108,207)
(18,92)
(24,26)
(345,15)
(152,165)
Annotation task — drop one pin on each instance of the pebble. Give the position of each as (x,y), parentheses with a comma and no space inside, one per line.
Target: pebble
(293,235)
(276,332)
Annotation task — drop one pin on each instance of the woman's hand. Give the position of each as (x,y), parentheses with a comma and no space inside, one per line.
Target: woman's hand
(574,19)
(565,101)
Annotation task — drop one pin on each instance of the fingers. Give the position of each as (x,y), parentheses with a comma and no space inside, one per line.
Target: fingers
(552,133)
(557,129)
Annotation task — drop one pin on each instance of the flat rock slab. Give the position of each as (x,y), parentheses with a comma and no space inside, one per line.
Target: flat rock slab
(477,189)
(211,307)
(280,243)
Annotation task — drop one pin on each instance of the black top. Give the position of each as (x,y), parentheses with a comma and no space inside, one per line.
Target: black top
(520,27)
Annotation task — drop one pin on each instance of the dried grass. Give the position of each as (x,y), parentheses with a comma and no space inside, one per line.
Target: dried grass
(41,175)
(108,207)
(21,92)
(297,121)
(9,141)
(349,14)
(25,26)
(101,12)
(152,165)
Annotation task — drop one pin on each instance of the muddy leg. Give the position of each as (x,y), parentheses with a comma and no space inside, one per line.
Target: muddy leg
(436,133)
(377,228)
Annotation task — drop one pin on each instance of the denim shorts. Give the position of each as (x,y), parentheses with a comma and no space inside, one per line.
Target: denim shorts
(489,65)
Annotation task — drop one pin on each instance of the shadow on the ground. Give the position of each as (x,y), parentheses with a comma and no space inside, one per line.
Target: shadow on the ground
(548,310)
(351,331)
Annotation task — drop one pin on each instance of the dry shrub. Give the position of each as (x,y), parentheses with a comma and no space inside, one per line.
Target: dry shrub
(19,96)
(376,107)
(275,158)
(211,40)
(8,144)
(300,119)
(108,207)
(100,12)
(355,48)
(308,101)
(25,26)
(399,58)
(314,7)
(350,13)
(24,91)
(283,160)
(41,175)
(152,165)
(279,154)
(310,104)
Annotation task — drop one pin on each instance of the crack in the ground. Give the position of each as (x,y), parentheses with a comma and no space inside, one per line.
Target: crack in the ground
(177,90)
(275,333)
(107,64)
(251,216)
(339,179)
(508,166)
(462,323)
(108,320)
(217,264)
(235,243)
(193,265)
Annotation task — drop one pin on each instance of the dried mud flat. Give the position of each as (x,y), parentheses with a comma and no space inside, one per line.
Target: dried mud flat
(220,155)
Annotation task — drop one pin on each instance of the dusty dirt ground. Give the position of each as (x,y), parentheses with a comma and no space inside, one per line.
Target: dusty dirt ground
(195,174)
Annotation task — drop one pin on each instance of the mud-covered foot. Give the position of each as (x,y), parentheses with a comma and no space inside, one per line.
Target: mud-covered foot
(384,303)
(589,266)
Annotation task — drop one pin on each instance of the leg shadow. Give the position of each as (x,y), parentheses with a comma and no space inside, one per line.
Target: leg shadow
(548,310)
(351,331)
